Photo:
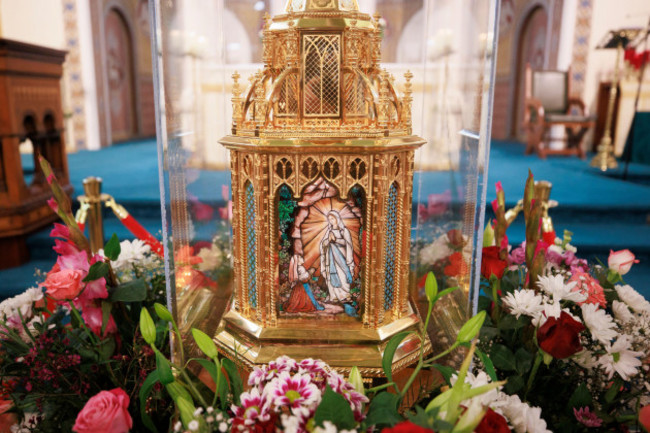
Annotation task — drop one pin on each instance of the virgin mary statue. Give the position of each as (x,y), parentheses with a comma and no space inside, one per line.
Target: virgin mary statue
(337,258)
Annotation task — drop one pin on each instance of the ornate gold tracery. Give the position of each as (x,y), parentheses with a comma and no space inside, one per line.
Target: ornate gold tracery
(321,117)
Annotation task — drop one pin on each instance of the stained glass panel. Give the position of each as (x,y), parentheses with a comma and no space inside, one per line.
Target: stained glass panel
(391,242)
(251,246)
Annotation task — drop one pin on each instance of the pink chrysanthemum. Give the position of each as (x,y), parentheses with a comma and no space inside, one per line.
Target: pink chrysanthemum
(293,391)
(589,286)
(346,389)
(586,417)
(254,408)
(257,376)
(313,367)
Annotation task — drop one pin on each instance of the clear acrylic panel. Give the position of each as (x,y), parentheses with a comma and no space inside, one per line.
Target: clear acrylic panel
(448,46)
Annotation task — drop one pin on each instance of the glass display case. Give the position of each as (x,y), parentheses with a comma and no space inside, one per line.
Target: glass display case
(318,158)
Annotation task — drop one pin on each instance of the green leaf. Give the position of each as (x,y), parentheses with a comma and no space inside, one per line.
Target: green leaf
(487,363)
(514,384)
(389,353)
(145,390)
(489,333)
(523,361)
(96,271)
(420,417)
(112,248)
(431,287)
(581,397)
(163,312)
(133,291)
(511,322)
(446,371)
(444,293)
(147,328)
(205,343)
(613,390)
(217,378)
(383,410)
(336,409)
(164,370)
(106,348)
(471,328)
(236,387)
(106,314)
(502,357)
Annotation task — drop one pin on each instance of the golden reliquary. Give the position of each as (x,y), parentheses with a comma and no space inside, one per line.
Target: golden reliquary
(322,177)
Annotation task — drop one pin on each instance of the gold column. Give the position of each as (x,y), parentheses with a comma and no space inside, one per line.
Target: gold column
(93,189)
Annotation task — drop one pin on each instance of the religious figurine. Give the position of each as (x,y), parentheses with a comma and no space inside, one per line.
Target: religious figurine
(322,177)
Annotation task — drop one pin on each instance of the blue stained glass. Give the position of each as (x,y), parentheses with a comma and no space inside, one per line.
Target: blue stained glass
(391,244)
(251,246)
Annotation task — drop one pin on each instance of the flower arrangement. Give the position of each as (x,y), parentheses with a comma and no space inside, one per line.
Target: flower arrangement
(557,345)
(567,337)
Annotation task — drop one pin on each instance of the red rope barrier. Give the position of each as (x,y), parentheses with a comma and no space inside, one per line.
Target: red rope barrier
(135,227)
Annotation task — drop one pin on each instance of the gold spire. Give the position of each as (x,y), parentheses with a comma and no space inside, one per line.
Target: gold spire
(321,5)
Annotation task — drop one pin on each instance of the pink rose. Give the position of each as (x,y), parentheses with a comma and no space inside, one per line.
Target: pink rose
(621,261)
(106,412)
(93,318)
(64,284)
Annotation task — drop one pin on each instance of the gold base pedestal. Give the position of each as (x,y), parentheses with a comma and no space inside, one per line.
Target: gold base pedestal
(604,159)
(250,345)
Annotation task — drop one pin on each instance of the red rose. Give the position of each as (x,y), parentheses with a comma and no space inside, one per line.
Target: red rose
(492,422)
(644,417)
(406,427)
(491,263)
(560,337)
(457,265)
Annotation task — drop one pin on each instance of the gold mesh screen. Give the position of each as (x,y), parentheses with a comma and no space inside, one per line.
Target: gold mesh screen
(322,71)
(287,104)
(355,102)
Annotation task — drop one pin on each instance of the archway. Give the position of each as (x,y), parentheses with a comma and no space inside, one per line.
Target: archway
(119,76)
(531,42)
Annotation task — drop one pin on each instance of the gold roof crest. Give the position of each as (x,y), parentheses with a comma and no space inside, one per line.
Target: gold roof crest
(322,78)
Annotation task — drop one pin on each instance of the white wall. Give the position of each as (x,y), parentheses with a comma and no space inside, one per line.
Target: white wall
(37,22)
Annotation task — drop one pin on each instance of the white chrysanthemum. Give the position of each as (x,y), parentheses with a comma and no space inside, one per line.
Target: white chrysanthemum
(600,324)
(523,302)
(211,258)
(585,359)
(633,299)
(522,417)
(131,253)
(621,359)
(622,312)
(555,286)
(435,251)
(551,309)
(291,424)
(570,248)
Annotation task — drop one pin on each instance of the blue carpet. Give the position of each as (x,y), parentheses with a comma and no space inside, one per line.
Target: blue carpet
(602,210)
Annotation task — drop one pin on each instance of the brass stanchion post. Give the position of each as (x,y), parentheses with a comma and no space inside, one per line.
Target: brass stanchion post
(93,189)
(604,159)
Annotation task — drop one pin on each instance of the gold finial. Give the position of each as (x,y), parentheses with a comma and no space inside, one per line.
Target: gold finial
(236,88)
(267,21)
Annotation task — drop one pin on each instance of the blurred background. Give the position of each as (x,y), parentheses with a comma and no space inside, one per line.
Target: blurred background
(91,63)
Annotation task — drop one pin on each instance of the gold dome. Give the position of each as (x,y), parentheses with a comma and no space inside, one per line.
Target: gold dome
(322,78)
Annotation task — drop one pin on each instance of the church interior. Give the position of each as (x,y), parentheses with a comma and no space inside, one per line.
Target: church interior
(78,87)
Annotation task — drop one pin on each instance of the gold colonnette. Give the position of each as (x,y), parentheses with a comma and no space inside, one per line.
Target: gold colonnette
(322,113)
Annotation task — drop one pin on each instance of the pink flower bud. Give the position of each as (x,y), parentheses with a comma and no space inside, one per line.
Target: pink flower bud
(621,261)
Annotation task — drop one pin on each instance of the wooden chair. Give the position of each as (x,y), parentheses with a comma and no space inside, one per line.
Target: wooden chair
(548,103)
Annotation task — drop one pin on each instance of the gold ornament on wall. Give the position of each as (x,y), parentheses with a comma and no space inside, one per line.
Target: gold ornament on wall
(322,178)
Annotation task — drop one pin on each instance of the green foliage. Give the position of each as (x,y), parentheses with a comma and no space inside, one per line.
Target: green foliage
(112,248)
(205,343)
(335,408)
(133,291)
(97,270)
(382,411)
(389,353)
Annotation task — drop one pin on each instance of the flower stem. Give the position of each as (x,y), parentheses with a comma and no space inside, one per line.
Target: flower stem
(533,372)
